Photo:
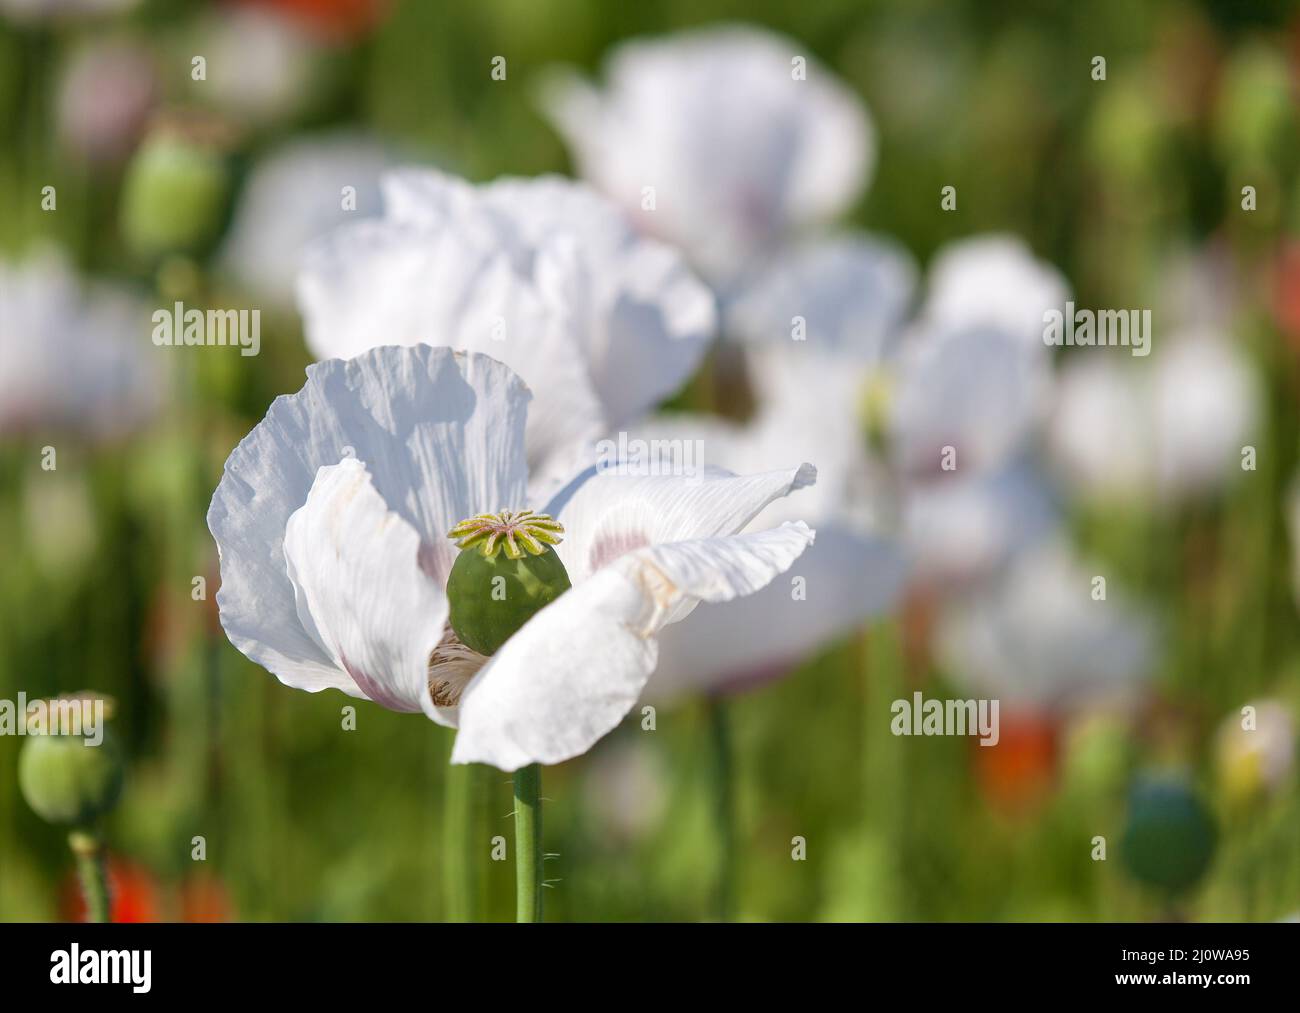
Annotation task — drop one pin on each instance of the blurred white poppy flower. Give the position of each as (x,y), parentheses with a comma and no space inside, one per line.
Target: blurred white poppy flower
(297,194)
(1172,425)
(72,356)
(844,296)
(723,140)
(1205,397)
(106,93)
(1257,752)
(966,399)
(543,274)
(994,281)
(1036,639)
(260,64)
(957,398)
(331,521)
(961,528)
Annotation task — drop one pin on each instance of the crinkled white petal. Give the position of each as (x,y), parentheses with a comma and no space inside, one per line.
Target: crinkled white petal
(544,274)
(610,514)
(575,669)
(842,580)
(441,434)
(710,139)
(362,588)
(395,283)
(644,320)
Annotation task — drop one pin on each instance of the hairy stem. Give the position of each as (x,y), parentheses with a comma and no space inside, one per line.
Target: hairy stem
(528,843)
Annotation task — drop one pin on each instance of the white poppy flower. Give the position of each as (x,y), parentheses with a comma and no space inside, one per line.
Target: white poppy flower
(332,518)
(994,281)
(72,356)
(542,274)
(294,196)
(1038,639)
(723,140)
(1170,426)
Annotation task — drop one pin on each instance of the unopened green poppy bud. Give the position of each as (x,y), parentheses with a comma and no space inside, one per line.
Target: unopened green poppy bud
(174,196)
(506,572)
(66,777)
(1170,836)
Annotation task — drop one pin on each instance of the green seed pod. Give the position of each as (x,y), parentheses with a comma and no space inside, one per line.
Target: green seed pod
(1170,836)
(174,195)
(505,573)
(67,780)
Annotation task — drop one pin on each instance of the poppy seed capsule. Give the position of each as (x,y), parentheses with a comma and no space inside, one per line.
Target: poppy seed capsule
(66,779)
(506,572)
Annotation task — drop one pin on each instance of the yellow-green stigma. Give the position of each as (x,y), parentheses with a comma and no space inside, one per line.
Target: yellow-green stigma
(509,529)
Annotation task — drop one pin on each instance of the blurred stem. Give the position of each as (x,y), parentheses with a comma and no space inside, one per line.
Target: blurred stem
(724,804)
(89,852)
(458,866)
(528,843)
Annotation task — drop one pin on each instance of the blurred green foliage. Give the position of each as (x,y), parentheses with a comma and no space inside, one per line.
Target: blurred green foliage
(305,821)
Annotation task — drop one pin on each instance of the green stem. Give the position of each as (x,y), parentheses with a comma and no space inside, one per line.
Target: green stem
(458,866)
(528,843)
(724,805)
(89,853)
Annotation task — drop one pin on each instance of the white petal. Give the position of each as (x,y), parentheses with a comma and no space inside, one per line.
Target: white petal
(599,321)
(576,668)
(442,437)
(362,590)
(387,283)
(847,579)
(611,514)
